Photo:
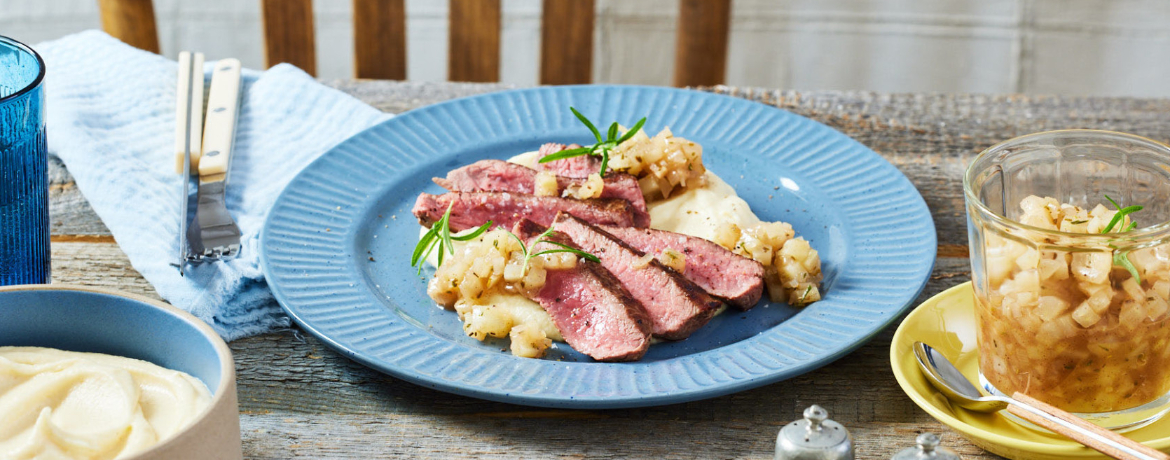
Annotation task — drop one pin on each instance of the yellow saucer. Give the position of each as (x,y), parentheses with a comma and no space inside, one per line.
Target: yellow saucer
(947,323)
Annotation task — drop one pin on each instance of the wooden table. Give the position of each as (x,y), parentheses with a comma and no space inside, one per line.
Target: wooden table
(299,399)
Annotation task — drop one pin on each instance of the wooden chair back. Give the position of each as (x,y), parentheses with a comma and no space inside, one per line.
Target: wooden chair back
(379,26)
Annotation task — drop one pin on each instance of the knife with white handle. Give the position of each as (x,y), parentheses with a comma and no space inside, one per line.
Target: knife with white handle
(188,140)
(220,235)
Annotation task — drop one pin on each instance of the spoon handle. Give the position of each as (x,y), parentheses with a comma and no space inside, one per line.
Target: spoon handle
(1080,430)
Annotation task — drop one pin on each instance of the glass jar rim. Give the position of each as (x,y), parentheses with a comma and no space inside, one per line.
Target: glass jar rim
(1152,231)
(40,71)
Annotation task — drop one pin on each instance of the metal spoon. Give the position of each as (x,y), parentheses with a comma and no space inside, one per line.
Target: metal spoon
(950,382)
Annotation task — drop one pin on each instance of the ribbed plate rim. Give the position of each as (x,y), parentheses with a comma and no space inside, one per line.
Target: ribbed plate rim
(913,227)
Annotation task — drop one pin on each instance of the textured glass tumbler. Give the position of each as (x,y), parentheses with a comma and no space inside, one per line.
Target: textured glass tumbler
(1067,314)
(24,184)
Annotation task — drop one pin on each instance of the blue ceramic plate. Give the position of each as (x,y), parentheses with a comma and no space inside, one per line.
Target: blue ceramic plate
(338,241)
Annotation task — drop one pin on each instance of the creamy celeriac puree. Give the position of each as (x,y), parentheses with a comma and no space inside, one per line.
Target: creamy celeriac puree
(66,405)
(697,211)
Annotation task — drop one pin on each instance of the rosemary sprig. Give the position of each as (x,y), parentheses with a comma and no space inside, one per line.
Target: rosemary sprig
(440,235)
(1120,216)
(529,255)
(1121,258)
(603,145)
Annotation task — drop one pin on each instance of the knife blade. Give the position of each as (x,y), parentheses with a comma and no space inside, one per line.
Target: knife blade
(188,139)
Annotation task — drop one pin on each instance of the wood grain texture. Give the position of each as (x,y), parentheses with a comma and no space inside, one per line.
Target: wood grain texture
(131,21)
(288,33)
(299,399)
(379,39)
(473,46)
(700,56)
(566,42)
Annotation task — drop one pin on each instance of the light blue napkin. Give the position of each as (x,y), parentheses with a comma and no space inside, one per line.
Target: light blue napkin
(111,119)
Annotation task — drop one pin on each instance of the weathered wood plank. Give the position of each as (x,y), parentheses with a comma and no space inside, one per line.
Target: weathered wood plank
(272,436)
(473,40)
(566,42)
(379,39)
(288,33)
(131,21)
(700,56)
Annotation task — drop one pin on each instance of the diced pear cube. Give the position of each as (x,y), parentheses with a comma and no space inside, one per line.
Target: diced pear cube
(1055,270)
(1085,316)
(1162,288)
(999,268)
(1156,307)
(1051,307)
(1134,290)
(1029,259)
(1092,267)
(1132,314)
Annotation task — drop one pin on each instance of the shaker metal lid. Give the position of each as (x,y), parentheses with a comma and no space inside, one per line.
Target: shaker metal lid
(927,449)
(816,431)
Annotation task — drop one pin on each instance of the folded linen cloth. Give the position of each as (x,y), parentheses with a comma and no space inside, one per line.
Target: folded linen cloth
(111,119)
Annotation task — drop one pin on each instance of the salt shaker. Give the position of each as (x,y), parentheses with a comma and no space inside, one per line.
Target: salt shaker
(814,438)
(928,449)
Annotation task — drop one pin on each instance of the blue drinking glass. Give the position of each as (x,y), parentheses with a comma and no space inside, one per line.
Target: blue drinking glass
(24,184)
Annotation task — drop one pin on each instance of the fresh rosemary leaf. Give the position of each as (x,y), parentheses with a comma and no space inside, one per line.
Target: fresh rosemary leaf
(637,127)
(478,231)
(445,231)
(604,163)
(424,243)
(523,247)
(1121,258)
(565,154)
(588,123)
(613,131)
(1120,216)
(567,248)
(1114,203)
(440,236)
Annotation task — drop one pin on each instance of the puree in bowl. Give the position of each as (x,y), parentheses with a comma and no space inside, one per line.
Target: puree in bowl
(69,405)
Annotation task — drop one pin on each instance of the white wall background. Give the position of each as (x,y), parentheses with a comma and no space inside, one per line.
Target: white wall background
(1075,47)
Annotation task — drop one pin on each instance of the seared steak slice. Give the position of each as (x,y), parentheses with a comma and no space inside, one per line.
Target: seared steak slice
(676,306)
(579,166)
(737,280)
(502,176)
(472,209)
(595,315)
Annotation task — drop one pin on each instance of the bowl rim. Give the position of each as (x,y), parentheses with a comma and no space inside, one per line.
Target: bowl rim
(227,363)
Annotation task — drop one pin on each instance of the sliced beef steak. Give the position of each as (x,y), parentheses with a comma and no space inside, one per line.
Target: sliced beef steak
(594,313)
(502,176)
(579,166)
(737,280)
(472,209)
(676,306)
